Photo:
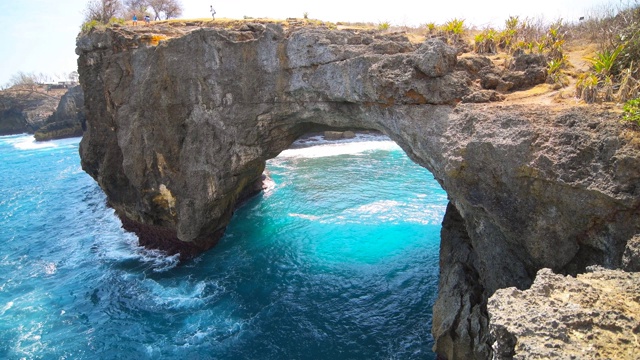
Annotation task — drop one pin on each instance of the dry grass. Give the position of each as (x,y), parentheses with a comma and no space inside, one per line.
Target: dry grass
(579,45)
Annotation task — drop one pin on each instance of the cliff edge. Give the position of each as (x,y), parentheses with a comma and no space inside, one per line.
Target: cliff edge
(180,122)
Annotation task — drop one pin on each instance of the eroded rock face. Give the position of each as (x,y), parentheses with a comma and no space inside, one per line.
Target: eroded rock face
(178,134)
(25,108)
(593,316)
(68,120)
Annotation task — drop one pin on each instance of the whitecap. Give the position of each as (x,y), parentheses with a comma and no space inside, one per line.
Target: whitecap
(30,143)
(377,207)
(323,148)
(186,295)
(8,306)
(306,217)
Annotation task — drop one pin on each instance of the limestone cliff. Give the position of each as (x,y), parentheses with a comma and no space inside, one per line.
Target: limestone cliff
(46,113)
(593,316)
(68,119)
(25,108)
(180,122)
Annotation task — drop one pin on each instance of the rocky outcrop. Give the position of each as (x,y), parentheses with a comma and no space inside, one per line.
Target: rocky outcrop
(46,113)
(338,135)
(178,132)
(25,108)
(68,119)
(592,316)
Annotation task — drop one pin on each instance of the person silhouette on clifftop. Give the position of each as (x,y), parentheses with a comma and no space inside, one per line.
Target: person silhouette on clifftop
(213,12)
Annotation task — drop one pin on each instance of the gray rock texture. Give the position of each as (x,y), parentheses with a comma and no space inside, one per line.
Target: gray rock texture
(68,120)
(25,108)
(180,123)
(593,316)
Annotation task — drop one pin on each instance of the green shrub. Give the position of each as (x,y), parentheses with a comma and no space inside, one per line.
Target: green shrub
(554,68)
(485,42)
(587,87)
(604,61)
(383,26)
(632,111)
(89,25)
(115,20)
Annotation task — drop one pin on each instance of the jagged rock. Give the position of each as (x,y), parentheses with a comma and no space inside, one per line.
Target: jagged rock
(333,135)
(631,256)
(473,63)
(338,135)
(522,61)
(525,72)
(68,120)
(593,316)
(483,96)
(520,80)
(178,133)
(490,77)
(435,58)
(459,315)
(25,108)
(348,135)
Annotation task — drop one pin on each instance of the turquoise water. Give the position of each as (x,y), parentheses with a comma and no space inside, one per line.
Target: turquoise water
(337,259)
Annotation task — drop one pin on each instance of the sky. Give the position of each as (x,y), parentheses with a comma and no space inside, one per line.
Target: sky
(39,35)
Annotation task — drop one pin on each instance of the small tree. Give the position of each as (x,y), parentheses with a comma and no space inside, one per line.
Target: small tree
(73,76)
(135,7)
(102,10)
(169,8)
(22,78)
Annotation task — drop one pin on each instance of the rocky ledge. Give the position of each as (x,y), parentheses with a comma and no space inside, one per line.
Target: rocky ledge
(592,316)
(180,123)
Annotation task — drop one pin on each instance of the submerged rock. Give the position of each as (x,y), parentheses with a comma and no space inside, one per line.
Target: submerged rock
(179,129)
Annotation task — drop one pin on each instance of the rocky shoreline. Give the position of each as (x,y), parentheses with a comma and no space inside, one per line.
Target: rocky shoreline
(48,114)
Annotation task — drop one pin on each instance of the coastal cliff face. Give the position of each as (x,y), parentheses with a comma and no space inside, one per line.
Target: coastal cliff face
(178,132)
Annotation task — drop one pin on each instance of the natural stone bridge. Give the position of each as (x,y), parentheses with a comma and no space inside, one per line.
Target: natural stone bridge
(179,133)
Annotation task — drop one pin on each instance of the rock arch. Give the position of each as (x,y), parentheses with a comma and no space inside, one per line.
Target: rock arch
(178,134)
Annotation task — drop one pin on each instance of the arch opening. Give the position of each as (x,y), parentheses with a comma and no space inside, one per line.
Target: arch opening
(347,236)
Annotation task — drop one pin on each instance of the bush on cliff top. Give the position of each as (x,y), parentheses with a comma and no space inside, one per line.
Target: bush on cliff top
(632,111)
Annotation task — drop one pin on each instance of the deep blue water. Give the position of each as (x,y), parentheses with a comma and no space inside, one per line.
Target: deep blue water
(337,260)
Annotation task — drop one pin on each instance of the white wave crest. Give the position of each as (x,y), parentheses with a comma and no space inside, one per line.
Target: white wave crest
(316,147)
(30,143)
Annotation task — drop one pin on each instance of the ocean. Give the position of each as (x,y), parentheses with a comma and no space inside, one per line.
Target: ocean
(336,259)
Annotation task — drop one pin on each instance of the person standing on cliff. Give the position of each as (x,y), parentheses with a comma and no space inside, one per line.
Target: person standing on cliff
(135,20)
(147,19)
(213,12)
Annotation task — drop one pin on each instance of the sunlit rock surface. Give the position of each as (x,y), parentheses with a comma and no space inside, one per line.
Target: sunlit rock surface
(595,315)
